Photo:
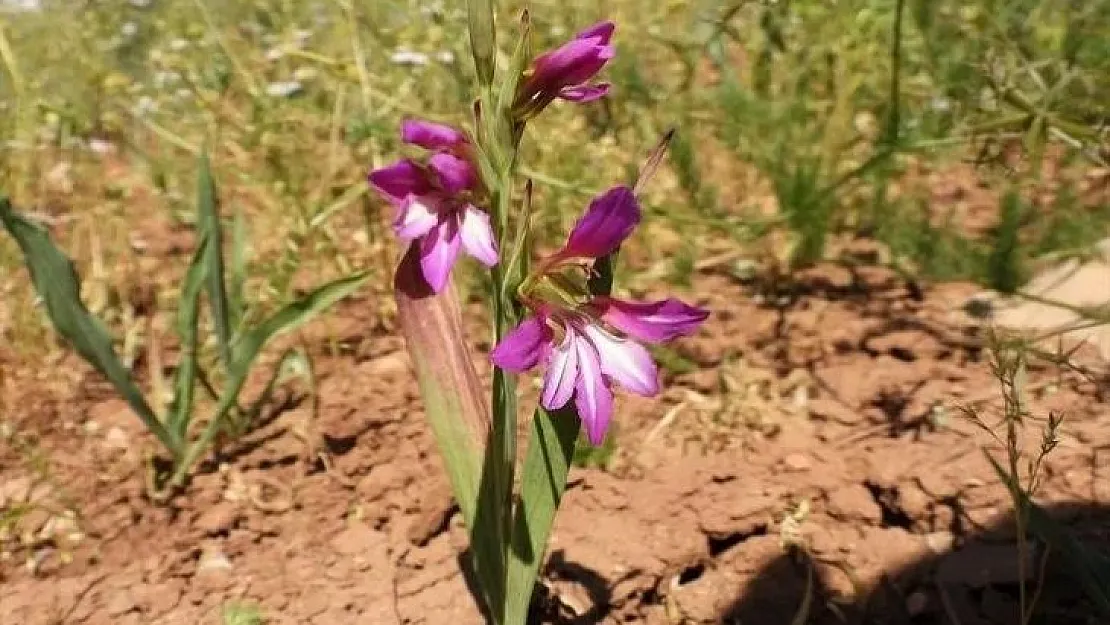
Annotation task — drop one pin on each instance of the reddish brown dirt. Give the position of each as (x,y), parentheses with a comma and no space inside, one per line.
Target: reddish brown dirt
(839,394)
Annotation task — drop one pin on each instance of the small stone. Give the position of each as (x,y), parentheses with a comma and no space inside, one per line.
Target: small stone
(121,602)
(940,542)
(916,603)
(15,491)
(854,502)
(832,410)
(213,560)
(797,462)
(116,438)
(219,518)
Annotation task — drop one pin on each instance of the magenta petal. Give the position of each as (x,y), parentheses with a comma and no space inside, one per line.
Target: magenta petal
(626,362)
(611,217)
(651,322)
(522,348)
(415,217)
(592,396)
(432,136)
(601,30)
(399,180)
(585,93)
(455,174)
(438,251)
(562,371)
(572,63)
(477,236)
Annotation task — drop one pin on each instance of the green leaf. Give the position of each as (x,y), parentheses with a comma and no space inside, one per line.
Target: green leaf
(483,39)
(522,56)
(208,218)
(1091,568)
(543,482)
(58,285)
(188,316)
(248,347)
(238,274)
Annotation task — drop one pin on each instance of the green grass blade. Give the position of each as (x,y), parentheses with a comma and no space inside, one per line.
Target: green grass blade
(543,481)
(1090,568)
(188,316)
(483,40)
(208,219)
(56,281)
(236,296)
(288,318)
(518,63)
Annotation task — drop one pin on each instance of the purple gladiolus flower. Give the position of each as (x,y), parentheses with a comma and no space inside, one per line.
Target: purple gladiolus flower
(434,201)
(587,342)
(565,72)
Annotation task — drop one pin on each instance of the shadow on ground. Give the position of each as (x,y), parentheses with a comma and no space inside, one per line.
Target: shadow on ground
(976,582)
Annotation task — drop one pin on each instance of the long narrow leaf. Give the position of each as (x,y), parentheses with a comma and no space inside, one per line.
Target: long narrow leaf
(288,318)
(56,281)
(543,481)
(208,219)
(237,282)
(188,316)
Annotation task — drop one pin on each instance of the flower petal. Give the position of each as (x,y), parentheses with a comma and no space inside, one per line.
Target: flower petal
(399,180)
(626,362)
(652,322)
(561,374)
(477,236)
(438,251)
(415,217)
(521,349)
(585,93)
(574,62)
(455,174)
(608,221)
(432,136)
(601,30)
(592,396)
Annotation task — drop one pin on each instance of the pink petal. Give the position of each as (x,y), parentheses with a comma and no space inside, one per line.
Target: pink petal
(585,93)
(415,217)
(611,217)
(601,30)
(522,348)
(574,62)
(592,396)
(652,322)
(455,174)
(438,251)
(399,180)
(477,236)
(626,362)
(432,136)
(562,371)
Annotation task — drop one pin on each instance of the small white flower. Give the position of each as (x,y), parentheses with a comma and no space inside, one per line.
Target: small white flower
(275,54)
(940,104)
(101,146)
(284,88)
(145,106)
(183,94)
(179,44)
(129,29)
(446,57)
(305,74)
(408,57)
(141,4)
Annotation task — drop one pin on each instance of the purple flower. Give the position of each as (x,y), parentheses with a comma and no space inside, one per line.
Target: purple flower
(565,72)
(434,201)
(586,342)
